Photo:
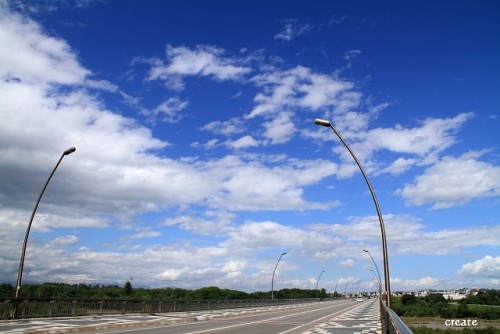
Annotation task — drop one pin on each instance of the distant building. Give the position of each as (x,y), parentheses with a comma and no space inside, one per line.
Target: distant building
(451,294)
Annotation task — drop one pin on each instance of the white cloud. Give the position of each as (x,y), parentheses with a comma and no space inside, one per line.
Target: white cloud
(301,87)
(401,232)
(422,143)
(453,181)
(291,30)
(352,54)
(433,136)
(280,129)
(226,128)
(211,144)
(399,166)
(204,60)
(488,266)
(218,223)
(169,110)
(173,274)
(64,241)
(279,187)
(258,235)
(35,58)
(347,263)
(243,142)
(422,283)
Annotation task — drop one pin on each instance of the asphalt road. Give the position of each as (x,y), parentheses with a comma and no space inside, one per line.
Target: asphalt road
(339,316)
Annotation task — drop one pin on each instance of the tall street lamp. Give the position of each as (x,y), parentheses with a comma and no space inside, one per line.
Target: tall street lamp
(274,271)
(379,283)
(335,290)
(25,243)
(326,123)
(376,267)
(317,282)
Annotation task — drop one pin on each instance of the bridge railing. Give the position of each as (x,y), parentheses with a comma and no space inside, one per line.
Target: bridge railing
(391,322)
(63,307)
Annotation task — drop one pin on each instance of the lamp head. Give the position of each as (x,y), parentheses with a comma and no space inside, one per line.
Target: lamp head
(322,122)
(70,150)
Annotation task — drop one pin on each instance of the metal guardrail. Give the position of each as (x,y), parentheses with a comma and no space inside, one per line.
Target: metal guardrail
(391,322)
(63,307)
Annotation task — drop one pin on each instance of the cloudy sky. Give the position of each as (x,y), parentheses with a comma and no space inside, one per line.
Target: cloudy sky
(197,159)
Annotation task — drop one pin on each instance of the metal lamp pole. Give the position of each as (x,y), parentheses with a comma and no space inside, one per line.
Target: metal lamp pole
(274,271)
(335,290)
(376,267)
(326,123)
(379,283)
(25,243)
(317,282)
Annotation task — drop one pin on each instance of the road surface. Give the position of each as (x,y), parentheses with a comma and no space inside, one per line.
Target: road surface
(339,316)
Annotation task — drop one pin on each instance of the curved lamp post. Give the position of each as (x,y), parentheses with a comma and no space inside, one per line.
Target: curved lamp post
(326,123)
(379,283)
(376,267)
(317,282)
(274,271)
(25,243)
(335,290)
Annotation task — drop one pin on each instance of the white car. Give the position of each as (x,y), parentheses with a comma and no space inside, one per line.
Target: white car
(359,299)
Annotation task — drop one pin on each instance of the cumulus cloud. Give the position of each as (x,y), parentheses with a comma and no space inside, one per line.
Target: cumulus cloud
(399,166)
(36,58)
(434,135)
(280,129)
(243,142)
(401,231)
(423,283)
(204,60)
(301,87)
(488,266)
(420,145)
(453,181)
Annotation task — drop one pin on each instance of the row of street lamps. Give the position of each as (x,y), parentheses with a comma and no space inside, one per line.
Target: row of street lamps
(377,276)
(320,122)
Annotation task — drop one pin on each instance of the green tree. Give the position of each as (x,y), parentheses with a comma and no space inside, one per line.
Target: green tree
(408,299)
(127,289)
(6,290)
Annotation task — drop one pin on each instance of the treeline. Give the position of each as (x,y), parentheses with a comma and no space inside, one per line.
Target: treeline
(97,291)
(482,306)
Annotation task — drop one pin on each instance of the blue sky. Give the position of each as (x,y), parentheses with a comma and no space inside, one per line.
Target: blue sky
(198,162)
